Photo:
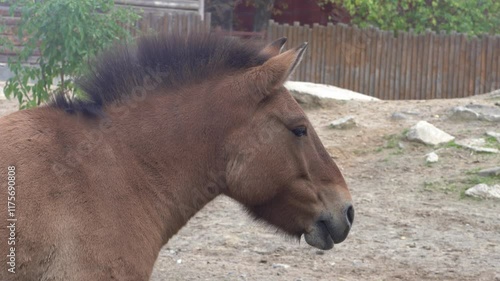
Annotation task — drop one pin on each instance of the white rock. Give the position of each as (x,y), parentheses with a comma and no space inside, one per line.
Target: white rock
(494,134)
(484,191)
(326,91)
(486,112)
(344,123)
(280,265)
(471,142)
(484,149)
(427,133)
(463,113)
(477,145)
(432,158)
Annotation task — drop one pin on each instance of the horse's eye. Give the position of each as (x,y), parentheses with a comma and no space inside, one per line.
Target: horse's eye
(300,131)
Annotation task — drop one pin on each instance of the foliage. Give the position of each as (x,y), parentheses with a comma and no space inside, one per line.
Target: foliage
(66,33)
(473,17)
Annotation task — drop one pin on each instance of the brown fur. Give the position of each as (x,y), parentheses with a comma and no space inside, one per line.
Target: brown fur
(99,191)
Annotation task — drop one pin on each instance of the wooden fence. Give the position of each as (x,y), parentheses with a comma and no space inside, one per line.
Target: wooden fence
(171,22)
(405,66)
(369,61)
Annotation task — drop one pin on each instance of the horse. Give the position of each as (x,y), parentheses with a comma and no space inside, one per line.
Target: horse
(97,184)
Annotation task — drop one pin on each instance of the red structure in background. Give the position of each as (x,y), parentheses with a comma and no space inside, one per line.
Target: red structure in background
(290,11)
(305,12)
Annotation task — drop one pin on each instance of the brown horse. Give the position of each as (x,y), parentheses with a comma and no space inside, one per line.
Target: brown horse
(97,186)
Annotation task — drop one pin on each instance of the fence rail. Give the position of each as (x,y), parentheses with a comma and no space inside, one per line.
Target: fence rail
(402,66)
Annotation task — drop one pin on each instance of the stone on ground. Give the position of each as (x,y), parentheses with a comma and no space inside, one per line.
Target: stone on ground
(432,157)
(398,116)
(280,265)
(427,133)
(463,113)
(484,191)
(476,112)
(490,172)
(477,145)
(343,123)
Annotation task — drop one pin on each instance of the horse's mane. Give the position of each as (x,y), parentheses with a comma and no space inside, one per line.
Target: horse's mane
(166,61)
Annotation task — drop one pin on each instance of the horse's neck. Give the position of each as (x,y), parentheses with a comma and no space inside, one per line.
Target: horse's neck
(173,158)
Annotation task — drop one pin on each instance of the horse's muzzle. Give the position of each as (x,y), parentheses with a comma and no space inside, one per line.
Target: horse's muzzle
(329,229)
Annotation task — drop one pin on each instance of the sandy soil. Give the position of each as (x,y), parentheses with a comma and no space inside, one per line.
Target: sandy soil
(412,220)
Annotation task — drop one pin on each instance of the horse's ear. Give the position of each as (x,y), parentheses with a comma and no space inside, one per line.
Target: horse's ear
(277,69)
(274,48)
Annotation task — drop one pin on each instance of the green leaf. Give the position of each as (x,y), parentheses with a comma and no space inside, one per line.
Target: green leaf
(67,33)
(473,17)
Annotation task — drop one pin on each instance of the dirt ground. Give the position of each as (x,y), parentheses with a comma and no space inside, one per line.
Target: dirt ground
(412,220)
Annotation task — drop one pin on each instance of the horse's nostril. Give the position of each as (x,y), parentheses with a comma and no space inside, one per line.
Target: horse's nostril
(350,214)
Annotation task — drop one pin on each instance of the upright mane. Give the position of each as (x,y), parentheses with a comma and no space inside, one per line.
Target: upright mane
(167,61)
